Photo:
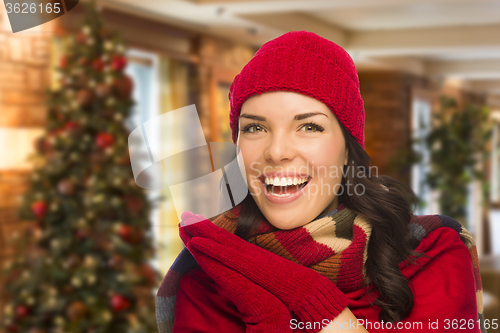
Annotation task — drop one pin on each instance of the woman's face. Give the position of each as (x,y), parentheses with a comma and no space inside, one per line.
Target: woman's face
(287,138)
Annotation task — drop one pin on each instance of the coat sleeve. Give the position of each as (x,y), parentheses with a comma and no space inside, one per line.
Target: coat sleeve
(200,308)
(443,286)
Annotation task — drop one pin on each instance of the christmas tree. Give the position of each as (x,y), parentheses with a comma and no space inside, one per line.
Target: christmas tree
(83,266)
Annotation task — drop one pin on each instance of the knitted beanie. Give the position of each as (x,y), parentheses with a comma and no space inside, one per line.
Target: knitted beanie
(305,63)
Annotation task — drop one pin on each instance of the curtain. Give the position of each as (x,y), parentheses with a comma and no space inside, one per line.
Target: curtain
(174,94)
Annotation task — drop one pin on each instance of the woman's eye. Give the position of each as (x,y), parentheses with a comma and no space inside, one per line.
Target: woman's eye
(312,127)
(252,128)
(255,128)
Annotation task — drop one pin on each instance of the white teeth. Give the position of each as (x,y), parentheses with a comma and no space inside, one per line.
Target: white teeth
(280,195)
(284,181)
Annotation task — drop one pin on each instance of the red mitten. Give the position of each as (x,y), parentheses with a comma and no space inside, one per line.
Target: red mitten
(262,312)
(310,295)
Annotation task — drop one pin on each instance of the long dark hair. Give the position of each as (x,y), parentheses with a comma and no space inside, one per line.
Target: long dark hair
(387,204)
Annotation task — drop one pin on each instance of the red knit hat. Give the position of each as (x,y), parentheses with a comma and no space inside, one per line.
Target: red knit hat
(305,63)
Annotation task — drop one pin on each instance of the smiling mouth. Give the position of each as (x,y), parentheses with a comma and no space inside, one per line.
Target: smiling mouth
(285,190)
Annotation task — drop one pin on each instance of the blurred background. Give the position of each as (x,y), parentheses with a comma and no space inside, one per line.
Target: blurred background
(429,74)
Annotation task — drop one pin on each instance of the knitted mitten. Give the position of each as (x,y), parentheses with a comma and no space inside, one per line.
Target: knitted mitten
(261,311)
(310,295)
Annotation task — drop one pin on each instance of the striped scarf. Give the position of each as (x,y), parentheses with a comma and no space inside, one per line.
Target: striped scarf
(335,245)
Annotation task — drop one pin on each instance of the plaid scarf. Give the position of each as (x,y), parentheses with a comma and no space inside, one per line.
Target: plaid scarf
(335,245)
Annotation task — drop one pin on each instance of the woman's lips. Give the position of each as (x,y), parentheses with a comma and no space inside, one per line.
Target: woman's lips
(283,199)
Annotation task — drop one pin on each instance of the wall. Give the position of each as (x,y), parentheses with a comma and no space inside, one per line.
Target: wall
(24,77)
(387,97)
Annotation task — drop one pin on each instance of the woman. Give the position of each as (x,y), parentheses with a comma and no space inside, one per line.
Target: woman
(320,243)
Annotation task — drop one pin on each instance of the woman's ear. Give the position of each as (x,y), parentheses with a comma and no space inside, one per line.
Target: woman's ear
(346,156)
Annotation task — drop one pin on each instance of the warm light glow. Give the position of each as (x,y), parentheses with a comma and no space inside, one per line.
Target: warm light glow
(16,144)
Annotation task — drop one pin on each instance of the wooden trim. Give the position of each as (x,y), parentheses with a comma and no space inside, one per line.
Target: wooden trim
(218,75)
(138,32)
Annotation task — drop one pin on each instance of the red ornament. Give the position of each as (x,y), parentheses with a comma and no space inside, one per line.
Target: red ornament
(22,311)
(12,328)
(39,208)
(134,205)
(55,132)
(80,38)
(124,86)
(82,234)
(98,65)
(126,232)
(84,61)
(35,330)
(148,273)
(104,140)
(119,303)
(63,62)
(85,97)
(71,125)
(116,262)
(118,62)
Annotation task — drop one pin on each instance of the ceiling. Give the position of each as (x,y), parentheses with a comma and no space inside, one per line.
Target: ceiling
(447,39)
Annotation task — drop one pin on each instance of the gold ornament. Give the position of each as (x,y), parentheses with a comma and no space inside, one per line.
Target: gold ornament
(51,303)
(59,321)
(52,291)
(55,244)
(74,156)
(110,101)
(108,45)
(54,206)
(91,279)
(8,310)
(76,310)
(74,104)
(90,261)
(106,316)
(86,30)
(75,281)
(115,201)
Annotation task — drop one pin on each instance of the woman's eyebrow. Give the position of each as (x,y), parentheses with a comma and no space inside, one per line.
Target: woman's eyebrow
(297,117)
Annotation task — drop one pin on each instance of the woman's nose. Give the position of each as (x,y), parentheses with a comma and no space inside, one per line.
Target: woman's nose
(279,148)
